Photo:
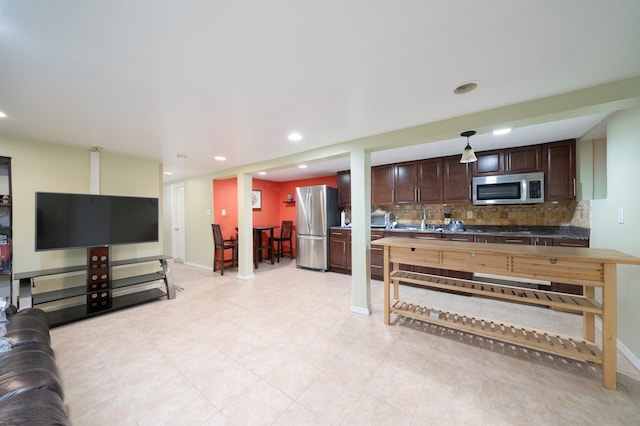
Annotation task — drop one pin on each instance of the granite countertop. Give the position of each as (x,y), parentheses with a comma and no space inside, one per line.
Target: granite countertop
(571,232)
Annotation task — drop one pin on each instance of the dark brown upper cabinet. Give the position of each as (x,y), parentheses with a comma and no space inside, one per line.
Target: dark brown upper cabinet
(406,178)
(382,185)
(344,188)
(523,159)
(559,166)
(430,181)
(489,163)
(457,180)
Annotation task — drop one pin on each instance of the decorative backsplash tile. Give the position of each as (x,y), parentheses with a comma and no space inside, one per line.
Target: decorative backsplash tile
(560,213)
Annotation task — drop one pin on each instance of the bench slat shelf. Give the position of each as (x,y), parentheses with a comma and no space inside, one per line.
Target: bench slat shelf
(544,341)
(571,302)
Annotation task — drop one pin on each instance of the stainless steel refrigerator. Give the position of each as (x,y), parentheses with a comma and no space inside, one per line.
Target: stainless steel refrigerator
(317,208)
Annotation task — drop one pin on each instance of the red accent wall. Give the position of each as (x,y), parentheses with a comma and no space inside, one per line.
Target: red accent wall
(274,210)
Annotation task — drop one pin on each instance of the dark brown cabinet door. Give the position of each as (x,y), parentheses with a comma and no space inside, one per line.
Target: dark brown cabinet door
(405,183)
(526,241)
(340,250)
(486,239)
(377,257)
(457,180)
(382,185)
(559,168)
(541,241)
(429,181)
(524,159)
(489,163)
(344,188)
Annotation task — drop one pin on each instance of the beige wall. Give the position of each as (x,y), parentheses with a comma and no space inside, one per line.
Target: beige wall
(56,168)
(623,139)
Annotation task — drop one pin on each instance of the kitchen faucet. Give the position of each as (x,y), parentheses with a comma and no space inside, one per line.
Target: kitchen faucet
(423,217)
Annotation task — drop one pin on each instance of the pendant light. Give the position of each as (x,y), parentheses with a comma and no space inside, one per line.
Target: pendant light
(467,155)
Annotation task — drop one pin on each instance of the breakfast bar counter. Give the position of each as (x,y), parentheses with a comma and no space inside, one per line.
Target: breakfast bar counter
(589,267)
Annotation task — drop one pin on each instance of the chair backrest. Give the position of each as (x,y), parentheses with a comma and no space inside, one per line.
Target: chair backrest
(285,231)
(217,235)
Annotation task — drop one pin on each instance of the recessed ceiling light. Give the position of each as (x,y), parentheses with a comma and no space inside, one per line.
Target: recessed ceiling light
(219,158)
(262,173)
(504,131)
(302,166)
(294,136)
(181,156)
(465,87)
(167,173)
(3,115)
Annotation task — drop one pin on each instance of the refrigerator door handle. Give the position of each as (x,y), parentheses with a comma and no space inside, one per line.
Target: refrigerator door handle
(309,213)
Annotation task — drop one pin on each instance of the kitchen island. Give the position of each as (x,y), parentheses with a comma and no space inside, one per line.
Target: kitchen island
(588,267)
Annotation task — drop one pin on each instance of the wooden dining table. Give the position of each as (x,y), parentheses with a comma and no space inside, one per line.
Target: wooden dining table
(258,247)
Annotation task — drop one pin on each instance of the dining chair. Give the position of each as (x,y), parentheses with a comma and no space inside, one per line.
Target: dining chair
(285,236)
(220,246)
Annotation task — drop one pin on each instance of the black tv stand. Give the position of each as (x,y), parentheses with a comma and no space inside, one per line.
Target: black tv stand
(100,290)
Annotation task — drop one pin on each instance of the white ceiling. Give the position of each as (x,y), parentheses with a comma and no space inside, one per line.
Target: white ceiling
(159,78)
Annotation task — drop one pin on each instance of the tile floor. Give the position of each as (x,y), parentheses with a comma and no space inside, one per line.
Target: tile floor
(284,349)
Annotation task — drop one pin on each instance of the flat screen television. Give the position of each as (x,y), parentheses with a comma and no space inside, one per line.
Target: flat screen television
(66,221)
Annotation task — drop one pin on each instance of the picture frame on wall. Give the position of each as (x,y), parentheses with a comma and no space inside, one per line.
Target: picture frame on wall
(256,198)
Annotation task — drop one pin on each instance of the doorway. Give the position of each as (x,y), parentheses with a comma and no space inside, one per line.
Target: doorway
(177,223)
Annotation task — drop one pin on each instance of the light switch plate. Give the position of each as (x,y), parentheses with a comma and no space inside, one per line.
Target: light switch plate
(620,215)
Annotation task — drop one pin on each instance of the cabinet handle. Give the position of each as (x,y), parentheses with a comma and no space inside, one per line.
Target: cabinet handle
(553,261)
(469,191)
(574,187)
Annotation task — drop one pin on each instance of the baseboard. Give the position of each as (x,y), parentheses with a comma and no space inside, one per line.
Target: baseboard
(362,311)
(634,360)
(197,265)
(630,356)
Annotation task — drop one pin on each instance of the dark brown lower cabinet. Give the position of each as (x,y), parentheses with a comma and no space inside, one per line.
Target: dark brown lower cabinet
(377,257)
(340,250)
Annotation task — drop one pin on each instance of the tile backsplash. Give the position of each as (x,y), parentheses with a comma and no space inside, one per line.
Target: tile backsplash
(560,213)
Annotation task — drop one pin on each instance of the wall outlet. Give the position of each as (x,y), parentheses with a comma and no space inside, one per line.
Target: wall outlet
(207,212)
(620,215)
(469,214)
(224,212)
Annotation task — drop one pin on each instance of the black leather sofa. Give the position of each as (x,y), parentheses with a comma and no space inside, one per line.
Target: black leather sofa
(30,388)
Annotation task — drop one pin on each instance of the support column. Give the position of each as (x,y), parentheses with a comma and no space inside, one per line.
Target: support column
(245,227)
(361,231)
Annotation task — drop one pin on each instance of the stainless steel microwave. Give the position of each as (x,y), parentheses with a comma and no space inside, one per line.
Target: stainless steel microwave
(524,188)
(380,220)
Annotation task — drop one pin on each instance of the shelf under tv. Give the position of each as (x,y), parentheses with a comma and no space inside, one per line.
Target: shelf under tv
(63,316)
(64,305)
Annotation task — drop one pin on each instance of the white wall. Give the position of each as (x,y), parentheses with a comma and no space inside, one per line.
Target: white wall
(623,173)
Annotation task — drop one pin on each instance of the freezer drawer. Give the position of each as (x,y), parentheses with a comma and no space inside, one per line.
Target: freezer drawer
(312,252)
